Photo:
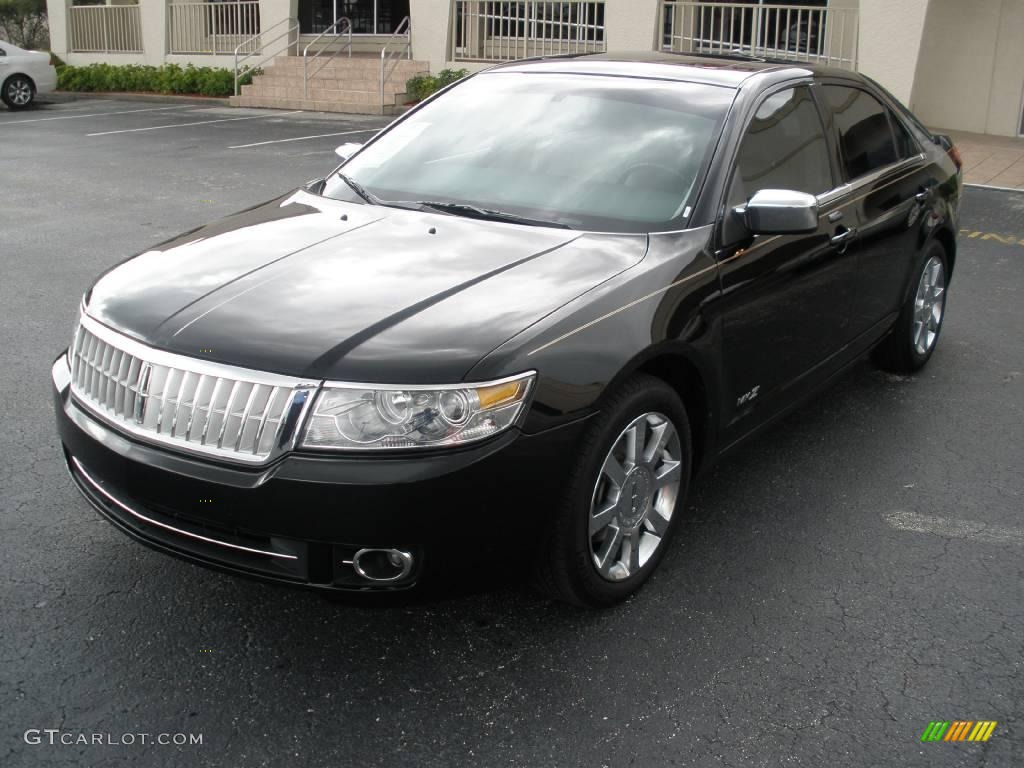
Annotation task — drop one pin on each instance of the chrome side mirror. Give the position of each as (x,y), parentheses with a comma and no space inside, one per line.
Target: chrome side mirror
(345,151)
(780,212)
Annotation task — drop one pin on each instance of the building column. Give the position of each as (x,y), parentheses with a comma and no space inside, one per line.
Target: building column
(629,25)
(153,18)
(57,17)
(890,42)
(275,12)
(430,24)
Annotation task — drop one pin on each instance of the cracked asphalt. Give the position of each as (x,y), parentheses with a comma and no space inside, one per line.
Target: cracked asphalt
(810,612)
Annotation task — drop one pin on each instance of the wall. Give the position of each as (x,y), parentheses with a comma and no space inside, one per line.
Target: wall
(890,41)
(971,71)
(629,24)
(429,24)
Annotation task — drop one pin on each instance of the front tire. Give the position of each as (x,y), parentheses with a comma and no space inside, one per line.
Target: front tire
(18,92)
(624,498)
(916,332)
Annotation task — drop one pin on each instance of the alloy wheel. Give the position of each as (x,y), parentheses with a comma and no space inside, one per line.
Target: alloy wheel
(928,305)
(635,496)
(19,92)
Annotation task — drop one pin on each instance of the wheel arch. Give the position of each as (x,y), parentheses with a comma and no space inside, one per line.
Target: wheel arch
(945,237)
(681,369)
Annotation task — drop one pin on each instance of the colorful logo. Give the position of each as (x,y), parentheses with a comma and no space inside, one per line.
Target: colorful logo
(958,730)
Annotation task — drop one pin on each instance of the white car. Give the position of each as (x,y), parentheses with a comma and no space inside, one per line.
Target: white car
(24,74)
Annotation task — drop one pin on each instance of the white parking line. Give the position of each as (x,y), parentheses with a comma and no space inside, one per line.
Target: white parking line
(95,114)
(201,122)
(958,529)
(303,138)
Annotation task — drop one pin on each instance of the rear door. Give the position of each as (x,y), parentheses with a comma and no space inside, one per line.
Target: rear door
(890,189)
(786,298)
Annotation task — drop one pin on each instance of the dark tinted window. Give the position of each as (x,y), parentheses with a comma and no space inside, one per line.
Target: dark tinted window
(905,144)
(862,123)
(784,148)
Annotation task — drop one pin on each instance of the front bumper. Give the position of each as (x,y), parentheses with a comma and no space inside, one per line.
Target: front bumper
(301,519)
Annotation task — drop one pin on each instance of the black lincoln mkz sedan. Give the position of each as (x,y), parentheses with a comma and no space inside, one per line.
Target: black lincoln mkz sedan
(511,327)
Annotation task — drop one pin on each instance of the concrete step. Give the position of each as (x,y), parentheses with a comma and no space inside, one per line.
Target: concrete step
(296,83)
(352,65)
(316,93)
(311,105)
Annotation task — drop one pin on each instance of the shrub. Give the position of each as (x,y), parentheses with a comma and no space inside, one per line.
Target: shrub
(168,78)
(420,87)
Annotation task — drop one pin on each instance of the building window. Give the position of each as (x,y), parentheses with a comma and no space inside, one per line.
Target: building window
(368,17)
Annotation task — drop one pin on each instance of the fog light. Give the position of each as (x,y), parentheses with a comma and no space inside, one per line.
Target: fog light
(382,564)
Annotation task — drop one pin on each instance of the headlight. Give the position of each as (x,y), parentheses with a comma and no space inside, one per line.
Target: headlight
(373,417)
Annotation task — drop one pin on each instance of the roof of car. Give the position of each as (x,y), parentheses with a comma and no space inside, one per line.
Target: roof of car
(727,70)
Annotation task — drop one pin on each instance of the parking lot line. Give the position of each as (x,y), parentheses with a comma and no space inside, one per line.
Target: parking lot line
(97,114)
(186,125)
(960,529)
(303,138)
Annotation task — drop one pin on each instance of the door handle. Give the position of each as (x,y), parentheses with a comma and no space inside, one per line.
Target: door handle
(922,196)
(842,238)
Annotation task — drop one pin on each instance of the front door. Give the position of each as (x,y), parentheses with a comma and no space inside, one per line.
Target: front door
(785,298)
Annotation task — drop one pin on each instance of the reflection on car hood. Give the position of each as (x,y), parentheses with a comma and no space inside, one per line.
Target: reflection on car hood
(320,288)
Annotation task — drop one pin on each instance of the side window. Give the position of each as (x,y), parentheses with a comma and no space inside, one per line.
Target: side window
(783,148)
(905,144)
(863,129)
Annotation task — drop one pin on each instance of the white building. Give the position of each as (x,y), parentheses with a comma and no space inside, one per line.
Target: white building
(959,64)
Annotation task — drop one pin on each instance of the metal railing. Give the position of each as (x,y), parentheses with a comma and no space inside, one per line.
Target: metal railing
(795,32)
(489,30)
(389,57)
(269,47)
(104,29)
(340,30)
(212,28)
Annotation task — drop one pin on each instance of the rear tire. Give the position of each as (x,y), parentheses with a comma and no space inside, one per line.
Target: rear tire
(916,332)
(18,92)
(623,502)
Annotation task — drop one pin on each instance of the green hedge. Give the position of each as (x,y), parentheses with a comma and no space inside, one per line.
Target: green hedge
(420,87)
(168,78)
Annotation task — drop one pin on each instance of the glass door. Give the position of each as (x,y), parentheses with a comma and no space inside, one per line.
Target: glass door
(369,17)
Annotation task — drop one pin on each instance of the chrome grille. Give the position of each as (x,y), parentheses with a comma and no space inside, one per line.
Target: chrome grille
(180,401)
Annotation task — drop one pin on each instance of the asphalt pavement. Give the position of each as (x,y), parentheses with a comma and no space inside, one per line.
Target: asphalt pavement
(838,583)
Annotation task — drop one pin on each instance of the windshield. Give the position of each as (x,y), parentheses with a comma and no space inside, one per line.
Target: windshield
(595,153)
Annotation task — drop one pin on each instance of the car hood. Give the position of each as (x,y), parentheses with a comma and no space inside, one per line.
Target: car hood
(319,288)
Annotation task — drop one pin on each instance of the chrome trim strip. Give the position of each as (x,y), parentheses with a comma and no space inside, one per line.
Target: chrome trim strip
(209,415)
(913,164)
(245,416)
(651,295)
(183,362)
(188,369)
(95,485)
(465,385)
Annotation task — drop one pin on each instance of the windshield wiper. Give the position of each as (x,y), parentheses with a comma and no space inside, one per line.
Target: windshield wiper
(476,212)
(457,209)
(360,190)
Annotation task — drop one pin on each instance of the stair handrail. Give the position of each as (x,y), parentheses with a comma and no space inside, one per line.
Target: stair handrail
(307,59)
(386,56)
(293,26)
